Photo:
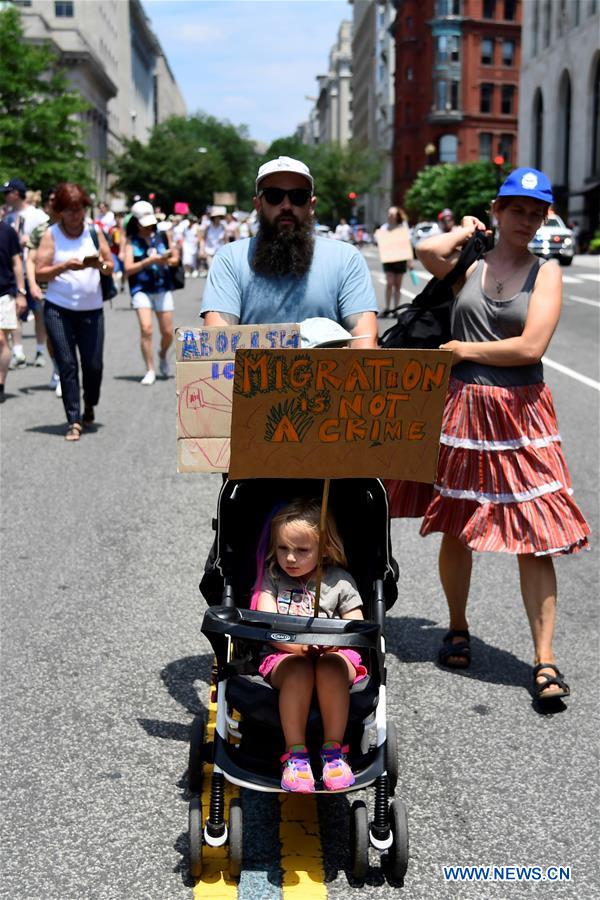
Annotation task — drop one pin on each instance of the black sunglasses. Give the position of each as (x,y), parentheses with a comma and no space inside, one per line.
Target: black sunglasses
(274,196)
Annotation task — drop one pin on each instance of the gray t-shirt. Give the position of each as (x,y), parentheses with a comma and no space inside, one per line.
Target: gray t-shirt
(339,593)
(476,317)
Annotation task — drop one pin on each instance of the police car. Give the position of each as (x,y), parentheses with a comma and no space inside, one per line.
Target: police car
(554,240)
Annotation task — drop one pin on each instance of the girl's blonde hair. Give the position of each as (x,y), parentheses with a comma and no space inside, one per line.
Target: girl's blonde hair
(306,512)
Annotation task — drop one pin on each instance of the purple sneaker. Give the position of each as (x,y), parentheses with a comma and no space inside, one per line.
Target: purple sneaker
(297,774)
(337,774)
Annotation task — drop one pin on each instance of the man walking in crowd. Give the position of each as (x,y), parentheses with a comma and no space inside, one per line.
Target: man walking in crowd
(446,221)
(24,218)
(12,294)
(287,274)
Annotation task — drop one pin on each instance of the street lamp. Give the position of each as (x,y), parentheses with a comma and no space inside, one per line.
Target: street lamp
(429,152)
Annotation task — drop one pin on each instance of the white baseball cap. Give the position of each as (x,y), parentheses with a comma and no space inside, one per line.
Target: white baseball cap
(284,164)
(144,213)
(217,211)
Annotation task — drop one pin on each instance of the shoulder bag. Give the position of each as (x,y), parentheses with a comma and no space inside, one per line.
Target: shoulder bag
(425,322)
(107,282)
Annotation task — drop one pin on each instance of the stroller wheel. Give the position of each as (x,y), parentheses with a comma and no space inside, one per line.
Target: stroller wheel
(397,856)
(236,834)
(359,840)
(391,757)
(195,836)
(196,755)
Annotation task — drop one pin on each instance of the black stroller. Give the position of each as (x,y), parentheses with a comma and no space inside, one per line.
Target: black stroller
(247,746)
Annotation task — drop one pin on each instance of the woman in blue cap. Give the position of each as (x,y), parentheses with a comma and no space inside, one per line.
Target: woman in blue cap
(502,483)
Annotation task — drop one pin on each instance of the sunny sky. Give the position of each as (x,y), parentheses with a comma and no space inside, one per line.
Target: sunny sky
(251,62)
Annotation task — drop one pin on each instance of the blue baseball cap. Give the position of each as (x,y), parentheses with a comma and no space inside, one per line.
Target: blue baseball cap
(527,182)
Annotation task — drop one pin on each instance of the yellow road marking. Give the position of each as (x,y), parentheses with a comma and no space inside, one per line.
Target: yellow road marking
(214,882)
(301,852)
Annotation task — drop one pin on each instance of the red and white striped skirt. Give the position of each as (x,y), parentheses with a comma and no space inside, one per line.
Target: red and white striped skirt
(502,481)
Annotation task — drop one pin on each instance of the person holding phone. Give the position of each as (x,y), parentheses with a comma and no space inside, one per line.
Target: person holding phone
(68,262)
(150,257)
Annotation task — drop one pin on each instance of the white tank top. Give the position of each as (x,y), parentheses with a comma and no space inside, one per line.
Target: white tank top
(76,290)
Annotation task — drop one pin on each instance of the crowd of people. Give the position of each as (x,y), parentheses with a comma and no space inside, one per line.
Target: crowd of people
(502,483)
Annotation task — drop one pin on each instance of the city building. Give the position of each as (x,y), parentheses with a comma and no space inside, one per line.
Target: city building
(334,102)
(373,65)
(457,82)
(559,103)
(114,60)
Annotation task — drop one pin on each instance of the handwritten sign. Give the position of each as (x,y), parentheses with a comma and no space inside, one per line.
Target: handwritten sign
(394,245)
(338,413)
(204,381)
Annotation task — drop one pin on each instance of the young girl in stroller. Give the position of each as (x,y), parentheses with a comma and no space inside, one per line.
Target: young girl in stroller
(287,587)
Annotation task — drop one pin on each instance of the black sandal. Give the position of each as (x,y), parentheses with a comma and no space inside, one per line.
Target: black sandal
(87,419)
(539,687)
(461,649)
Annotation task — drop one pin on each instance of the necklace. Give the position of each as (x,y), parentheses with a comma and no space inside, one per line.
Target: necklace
(499,286)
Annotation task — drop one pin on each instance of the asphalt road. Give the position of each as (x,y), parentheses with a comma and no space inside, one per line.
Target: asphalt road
(104,666)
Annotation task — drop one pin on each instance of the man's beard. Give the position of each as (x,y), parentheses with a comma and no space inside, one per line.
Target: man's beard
(283,251)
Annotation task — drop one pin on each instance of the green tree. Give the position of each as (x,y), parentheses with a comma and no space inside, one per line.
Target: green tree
(188,159)
(467,188)
(337,171)
(41,136)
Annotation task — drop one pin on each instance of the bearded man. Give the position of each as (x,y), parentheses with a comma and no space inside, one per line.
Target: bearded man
(286,273)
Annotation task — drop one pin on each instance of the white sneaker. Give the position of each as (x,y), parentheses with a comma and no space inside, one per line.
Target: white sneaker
(17,361)
(163,367)
(149,377)
(195,273)
(54,381)
(58,390)
(40,359)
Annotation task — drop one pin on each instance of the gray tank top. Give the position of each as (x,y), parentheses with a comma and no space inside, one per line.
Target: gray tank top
(476,317)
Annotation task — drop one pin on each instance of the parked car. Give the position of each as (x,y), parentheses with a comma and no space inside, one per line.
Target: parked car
(554,240)
(423,230)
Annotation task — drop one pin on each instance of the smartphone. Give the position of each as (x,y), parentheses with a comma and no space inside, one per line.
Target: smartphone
(90,260)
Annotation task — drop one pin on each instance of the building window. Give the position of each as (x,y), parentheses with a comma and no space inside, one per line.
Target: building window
(508,53)
(536,28)
(408,114)
(485,145)
(448,148)
(441,95)
(507,102)
(454,88)
(489,9)
(595,168)
(576,13)
(564,129)
(593,7)
(442,49)
(538,129)
(485,98)
(509,10)
(561,18)
(409,73)
(454,48)
(409,23)
(547,26)
(506,148)
(63,9)
(447,8)
(487,52)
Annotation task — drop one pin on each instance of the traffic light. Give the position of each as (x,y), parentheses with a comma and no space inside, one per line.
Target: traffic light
(499,160)
(151,196)
(351,195)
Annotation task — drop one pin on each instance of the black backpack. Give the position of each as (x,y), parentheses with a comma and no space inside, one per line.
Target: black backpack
(425,322)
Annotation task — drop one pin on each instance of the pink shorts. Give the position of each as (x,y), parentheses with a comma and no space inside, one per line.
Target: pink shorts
(351,655)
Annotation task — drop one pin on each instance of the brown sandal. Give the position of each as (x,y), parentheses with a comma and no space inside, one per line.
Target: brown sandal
(73,432)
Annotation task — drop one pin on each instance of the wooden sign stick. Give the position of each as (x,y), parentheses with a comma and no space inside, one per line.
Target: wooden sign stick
(322,526)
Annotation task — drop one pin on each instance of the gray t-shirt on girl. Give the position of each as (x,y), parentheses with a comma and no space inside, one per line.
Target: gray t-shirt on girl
(339,593)
(476,317)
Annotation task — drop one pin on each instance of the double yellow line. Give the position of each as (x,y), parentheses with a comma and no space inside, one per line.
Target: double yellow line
(303,876)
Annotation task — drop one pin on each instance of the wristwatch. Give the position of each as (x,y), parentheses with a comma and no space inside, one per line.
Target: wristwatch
(22,291)
(104,267)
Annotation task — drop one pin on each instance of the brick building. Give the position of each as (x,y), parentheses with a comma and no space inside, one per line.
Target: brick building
(457,77)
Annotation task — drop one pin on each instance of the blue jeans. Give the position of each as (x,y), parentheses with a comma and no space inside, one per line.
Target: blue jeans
(70,331)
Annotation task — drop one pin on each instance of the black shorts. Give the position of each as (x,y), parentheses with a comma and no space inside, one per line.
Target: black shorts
(398,268)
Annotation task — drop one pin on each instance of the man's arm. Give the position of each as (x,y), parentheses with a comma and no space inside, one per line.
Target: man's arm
(219,318)
(364,324)
(21,301)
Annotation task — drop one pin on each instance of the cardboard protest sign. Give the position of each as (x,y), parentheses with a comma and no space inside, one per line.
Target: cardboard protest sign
(204,381)
(394,245)
(338,413)
(224,198)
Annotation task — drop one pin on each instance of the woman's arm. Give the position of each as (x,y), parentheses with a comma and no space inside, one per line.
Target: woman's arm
(45,268)
(362,323)
(529,347)
(132,268)
(34,288)
(173,259)
(440,252)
